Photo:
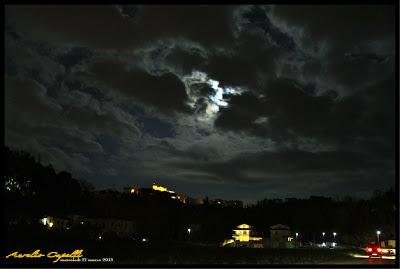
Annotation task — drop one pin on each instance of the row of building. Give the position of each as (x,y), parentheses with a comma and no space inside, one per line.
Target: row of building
(160,191)
(245,236)
(119,227)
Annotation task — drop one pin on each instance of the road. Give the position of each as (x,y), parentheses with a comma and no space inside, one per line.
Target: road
(363,260)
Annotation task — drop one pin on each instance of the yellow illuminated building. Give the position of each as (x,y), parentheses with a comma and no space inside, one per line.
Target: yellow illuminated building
(160,188)
(242,233)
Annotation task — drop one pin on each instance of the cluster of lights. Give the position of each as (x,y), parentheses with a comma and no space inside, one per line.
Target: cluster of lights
(46,222)
(323,239)
(12,184)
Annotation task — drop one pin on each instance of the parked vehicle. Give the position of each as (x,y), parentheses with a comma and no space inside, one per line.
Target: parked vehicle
(374,251)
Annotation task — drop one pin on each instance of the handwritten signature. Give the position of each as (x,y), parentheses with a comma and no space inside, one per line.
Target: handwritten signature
(51,255)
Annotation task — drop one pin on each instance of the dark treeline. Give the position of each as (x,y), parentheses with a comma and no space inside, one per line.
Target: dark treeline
(34,191)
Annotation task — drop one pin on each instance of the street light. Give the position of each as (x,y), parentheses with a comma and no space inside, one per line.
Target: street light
(323,238)
(377,234)
(189,230)
(334,236)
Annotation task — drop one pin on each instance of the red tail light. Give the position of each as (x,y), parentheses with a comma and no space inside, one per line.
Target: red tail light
(369,249)
(379,250)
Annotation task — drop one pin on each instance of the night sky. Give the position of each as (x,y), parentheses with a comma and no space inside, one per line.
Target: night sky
(232,102)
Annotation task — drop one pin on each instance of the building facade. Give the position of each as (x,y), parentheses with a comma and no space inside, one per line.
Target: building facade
(244,236)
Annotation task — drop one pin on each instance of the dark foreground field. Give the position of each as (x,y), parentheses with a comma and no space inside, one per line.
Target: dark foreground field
(243,256)
(132,252)
(167,254)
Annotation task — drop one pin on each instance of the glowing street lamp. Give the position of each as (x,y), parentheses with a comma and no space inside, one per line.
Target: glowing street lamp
(334,236)
(377,234)
(323,238)
(297,237)
(189,230)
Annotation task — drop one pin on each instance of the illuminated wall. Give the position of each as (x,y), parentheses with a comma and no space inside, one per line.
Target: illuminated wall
(242,234)
(160,188)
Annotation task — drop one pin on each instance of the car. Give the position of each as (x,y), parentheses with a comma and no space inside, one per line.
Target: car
(374,251)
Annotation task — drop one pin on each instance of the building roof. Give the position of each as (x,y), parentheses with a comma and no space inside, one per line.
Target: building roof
(243,227)
(280,227)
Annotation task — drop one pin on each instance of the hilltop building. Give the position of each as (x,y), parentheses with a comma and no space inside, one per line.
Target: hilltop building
(161,191)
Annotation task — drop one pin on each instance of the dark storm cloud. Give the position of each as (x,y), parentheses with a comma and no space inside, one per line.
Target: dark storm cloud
(345,26)
(109,28)
(35,103)
(325,172)
(341,44)
(284,164)
(292,108)
(123,95)
(286,107)
(244,67)
(74,56)
(257,17)
(185,60)
(166,92)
